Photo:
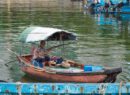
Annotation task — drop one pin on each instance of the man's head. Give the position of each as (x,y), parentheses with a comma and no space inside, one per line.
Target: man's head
(42,43)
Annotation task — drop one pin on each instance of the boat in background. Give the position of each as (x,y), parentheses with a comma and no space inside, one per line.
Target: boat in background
(77,72)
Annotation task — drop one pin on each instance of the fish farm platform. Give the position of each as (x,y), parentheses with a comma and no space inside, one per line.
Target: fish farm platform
(65,88)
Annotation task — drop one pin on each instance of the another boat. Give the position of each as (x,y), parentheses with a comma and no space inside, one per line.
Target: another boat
(75,73)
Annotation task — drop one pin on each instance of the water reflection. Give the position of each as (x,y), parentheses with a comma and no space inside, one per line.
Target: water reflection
(115,22)
(117,28)
(103,39)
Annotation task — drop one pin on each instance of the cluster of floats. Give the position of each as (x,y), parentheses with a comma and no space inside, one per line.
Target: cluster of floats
(78,78)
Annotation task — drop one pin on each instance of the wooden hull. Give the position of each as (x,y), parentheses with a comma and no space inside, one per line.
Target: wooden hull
(42,75)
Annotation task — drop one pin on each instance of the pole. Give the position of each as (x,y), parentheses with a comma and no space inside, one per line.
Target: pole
(8,5)
(84,2)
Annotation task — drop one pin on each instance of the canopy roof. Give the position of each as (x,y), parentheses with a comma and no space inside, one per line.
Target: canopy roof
(32,34)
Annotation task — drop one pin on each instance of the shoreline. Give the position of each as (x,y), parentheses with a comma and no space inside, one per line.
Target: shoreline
(54,5)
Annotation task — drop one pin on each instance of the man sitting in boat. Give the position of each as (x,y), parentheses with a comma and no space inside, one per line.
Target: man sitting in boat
(40,56)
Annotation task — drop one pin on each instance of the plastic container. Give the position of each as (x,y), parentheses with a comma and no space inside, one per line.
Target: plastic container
(88,68)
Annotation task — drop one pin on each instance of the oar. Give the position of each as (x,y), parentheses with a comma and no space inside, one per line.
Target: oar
(12,52)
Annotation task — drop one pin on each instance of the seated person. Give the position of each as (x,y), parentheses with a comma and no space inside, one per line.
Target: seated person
(40,57)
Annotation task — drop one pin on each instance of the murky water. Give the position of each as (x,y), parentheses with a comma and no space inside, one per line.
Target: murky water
(102,39)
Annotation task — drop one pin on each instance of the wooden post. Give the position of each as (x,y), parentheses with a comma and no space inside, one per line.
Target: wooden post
(84,2)
(8,5)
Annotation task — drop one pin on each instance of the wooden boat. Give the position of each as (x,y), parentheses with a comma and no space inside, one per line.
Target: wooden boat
(75,73)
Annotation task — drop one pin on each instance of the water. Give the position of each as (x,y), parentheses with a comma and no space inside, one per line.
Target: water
(102,40)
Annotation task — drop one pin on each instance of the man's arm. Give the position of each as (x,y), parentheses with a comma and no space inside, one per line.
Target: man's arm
(35,54)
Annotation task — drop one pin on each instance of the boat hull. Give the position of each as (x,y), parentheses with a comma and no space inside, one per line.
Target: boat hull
(52,77)
(107,75)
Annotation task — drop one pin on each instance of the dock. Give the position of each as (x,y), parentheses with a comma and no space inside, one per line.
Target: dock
(65,88)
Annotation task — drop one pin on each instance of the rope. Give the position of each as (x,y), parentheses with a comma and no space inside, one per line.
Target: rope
(35,88)
(102,88)
(19,88)
(120,86)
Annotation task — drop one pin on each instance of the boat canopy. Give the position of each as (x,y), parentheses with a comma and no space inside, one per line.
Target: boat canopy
(33,34)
